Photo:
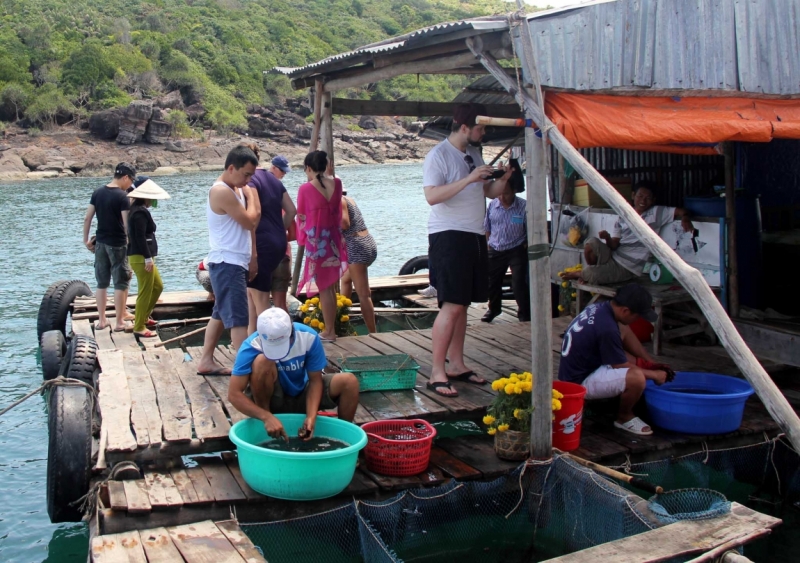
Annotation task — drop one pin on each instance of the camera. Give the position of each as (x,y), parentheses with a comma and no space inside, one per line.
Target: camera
(496,174)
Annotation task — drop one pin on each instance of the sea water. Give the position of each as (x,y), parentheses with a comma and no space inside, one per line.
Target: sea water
(41,226)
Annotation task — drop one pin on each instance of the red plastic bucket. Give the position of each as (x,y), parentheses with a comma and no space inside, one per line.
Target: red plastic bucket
(567,424)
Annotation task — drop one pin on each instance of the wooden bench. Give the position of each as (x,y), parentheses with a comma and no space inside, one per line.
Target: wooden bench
(663,296)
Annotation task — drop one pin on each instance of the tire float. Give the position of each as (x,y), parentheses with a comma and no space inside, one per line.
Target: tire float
(54,350)
(54,309)
(414,265)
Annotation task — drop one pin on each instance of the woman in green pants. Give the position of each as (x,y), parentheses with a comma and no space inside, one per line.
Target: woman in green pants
(142,251)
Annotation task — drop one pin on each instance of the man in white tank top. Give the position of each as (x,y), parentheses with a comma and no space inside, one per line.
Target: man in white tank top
(233,213)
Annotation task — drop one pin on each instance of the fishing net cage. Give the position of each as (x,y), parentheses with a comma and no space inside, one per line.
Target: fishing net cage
(539,511)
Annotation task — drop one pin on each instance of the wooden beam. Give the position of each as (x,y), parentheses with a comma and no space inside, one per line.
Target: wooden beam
(730,221)
(777,405)
(412,67)
(345,106)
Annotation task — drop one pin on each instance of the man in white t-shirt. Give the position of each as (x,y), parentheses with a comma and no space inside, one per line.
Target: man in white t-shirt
(456,184)
(623,256)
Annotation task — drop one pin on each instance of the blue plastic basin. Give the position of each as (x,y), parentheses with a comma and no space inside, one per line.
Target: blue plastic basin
(709,403)
(294,475)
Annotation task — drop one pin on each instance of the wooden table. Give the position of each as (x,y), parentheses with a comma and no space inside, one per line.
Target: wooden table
(663,296)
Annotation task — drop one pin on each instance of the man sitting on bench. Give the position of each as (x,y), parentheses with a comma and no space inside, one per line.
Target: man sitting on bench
(601,353)
(623,256)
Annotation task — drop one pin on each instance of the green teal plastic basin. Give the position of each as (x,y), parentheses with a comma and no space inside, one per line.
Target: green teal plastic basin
(293,475)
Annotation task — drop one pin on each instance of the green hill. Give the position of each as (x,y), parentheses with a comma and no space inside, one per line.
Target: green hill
(62,59)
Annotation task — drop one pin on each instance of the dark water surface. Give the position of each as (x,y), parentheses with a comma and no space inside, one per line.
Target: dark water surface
(313,445)
(40,243)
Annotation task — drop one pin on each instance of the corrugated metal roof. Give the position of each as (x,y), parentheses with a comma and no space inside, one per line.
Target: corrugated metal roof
(741,45)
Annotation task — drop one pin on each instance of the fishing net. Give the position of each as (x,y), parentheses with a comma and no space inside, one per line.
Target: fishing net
(688,504)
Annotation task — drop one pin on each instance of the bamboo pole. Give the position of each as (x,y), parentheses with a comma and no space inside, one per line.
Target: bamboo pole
(541,439)
(181,337)
(730,222)
(689,277)
(630,479)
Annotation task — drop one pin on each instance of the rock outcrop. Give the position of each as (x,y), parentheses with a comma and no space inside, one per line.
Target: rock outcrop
(133,122)
(158,129)
(33,157)
(105,124)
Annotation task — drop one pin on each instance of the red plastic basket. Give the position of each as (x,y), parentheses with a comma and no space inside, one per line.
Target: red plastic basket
(398,447)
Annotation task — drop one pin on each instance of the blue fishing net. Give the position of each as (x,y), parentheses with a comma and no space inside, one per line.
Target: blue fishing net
(688,504)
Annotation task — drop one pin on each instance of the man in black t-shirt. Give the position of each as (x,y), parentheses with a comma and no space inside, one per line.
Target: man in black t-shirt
(110,203)
(601,353)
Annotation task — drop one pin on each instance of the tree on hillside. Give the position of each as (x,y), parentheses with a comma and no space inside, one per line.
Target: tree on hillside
(13,99)
(86,68)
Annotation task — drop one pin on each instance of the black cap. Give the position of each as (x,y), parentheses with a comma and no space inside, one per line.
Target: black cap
(637,299)
(465,114)
(125,169)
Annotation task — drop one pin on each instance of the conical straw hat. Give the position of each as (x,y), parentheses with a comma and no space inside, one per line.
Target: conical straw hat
(149,190)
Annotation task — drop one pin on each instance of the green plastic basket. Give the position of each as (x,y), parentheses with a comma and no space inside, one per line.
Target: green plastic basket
(383,373)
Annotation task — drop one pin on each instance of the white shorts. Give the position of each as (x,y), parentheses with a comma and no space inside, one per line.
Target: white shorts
(605,382)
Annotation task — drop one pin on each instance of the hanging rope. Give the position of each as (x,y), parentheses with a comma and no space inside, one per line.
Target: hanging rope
(59,381)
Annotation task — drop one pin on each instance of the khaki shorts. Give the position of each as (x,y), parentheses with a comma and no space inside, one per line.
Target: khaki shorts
(281,403)
(607,271)
(282,275)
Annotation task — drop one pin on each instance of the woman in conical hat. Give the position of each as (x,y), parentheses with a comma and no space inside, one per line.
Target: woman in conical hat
(142,251)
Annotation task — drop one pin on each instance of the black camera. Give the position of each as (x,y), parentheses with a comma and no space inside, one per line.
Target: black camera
(496,174)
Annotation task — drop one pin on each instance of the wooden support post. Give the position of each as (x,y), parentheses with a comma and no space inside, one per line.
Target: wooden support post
(538,265)
(777,405)
(730,221)
(326,124)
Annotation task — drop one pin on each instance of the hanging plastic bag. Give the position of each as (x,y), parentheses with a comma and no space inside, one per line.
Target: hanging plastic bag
(574,226)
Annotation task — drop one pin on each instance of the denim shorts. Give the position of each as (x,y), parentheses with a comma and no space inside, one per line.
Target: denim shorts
(111,262)
(230,294)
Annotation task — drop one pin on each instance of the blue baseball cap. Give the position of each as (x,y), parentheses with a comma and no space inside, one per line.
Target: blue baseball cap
(281,163)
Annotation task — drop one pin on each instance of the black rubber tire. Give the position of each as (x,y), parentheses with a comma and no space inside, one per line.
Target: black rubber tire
(81,359)
(54,308)
(54,349)
(69,451)
(414,265)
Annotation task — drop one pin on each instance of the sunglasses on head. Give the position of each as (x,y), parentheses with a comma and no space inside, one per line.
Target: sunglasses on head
(470,161)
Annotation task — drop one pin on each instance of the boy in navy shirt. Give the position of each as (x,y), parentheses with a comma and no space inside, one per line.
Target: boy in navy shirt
(282,363)
(601,353)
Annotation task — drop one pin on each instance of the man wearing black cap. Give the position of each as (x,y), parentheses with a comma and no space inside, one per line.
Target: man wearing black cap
(601,353)
(456,184)
(110,203)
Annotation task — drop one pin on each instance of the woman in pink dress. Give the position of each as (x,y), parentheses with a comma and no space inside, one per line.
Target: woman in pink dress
(319,213)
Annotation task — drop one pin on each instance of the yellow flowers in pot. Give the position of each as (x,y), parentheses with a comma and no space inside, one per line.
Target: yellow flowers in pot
(511,409)
(311,312)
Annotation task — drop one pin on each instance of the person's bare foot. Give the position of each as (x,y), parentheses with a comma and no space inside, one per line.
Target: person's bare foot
(442,388)
(101,325)
(212,368)
(328,336)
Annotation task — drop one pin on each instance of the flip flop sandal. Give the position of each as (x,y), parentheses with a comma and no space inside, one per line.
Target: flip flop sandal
(146,334)
(438,385)
(215,371)
(151,323)
(465,377)
(635,426)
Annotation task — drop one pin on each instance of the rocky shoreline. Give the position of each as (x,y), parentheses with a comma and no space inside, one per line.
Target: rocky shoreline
(142,136)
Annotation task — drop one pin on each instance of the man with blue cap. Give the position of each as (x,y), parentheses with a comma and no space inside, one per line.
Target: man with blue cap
(279,369)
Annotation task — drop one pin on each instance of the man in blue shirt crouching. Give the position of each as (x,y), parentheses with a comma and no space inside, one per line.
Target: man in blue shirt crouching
(282,364)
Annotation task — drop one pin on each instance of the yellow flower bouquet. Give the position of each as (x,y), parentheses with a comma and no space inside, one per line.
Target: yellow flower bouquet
(566,291)
(312,315)
(511,409)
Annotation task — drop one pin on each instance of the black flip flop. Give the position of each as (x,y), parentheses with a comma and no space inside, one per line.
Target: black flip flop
(465,377)
(438,384)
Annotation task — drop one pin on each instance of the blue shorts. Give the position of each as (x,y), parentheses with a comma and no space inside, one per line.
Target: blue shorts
(230,294)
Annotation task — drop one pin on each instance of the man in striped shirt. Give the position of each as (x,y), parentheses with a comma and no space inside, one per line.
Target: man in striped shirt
(507,235)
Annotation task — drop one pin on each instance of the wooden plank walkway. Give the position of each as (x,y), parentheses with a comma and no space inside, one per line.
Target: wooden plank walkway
(199,542)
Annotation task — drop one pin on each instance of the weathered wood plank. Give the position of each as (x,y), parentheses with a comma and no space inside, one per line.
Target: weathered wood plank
(114,399)
(158,546)
(137,497)
(478,452)
(209,418)
(203,542)
(176,416)
(103,339)
(125,340)
(116,495)
(162,491)
(232,461)
(118,548)
(223,484)
(203,490)
(169,298)
(145,416)
(453,466)
(185,486)
(82,328)
(676,540)
(240,541)
(220,383)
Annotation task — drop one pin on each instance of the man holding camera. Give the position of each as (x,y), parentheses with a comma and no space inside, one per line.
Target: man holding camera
(507,236)
(456,183)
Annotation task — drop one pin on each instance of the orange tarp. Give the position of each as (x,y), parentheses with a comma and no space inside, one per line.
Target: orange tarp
(685,125)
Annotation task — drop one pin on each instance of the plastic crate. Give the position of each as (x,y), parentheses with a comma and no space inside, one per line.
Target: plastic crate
(382,373)
(398,447)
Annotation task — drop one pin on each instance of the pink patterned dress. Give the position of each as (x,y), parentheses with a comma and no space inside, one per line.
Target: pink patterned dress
(318,222)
